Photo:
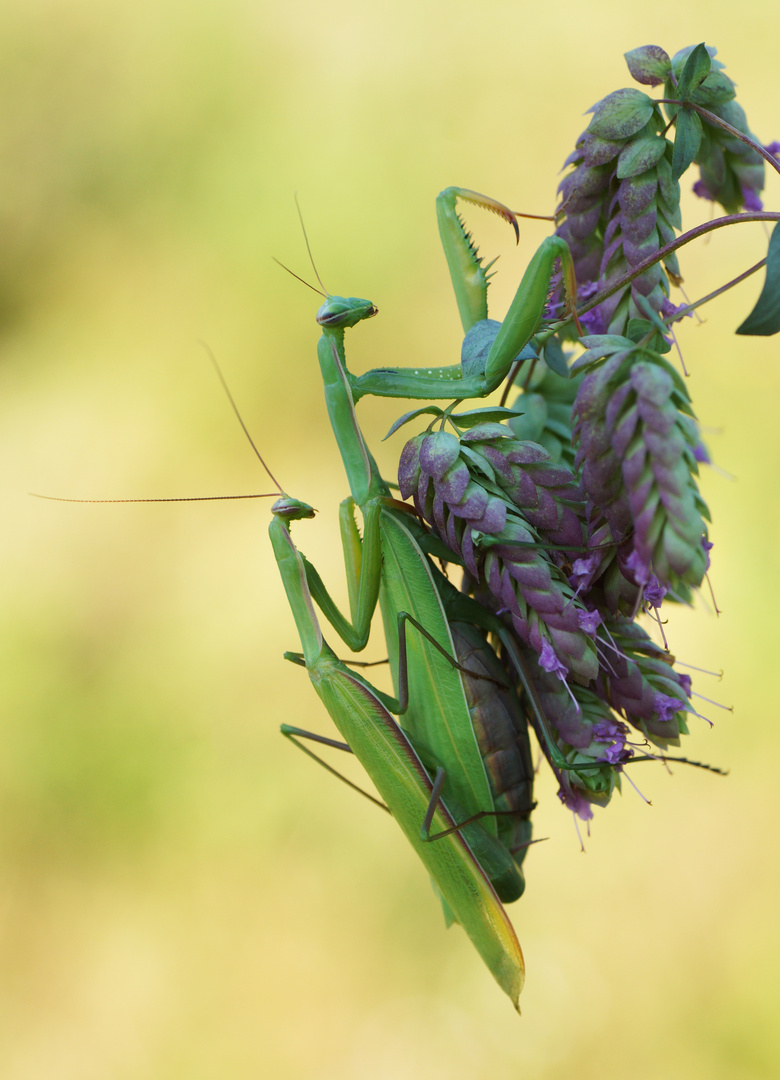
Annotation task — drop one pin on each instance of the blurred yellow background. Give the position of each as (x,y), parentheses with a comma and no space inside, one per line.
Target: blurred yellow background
(181,893)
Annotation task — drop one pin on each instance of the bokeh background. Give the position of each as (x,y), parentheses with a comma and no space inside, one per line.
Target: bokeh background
(181,893)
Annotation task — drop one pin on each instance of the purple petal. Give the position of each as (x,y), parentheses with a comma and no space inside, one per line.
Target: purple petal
(666,706)
(589,621)
(638,568)
(550,662)
(654,591)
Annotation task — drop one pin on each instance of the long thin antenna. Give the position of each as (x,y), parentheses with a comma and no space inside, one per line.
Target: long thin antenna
(302,280)
(186,498)
(239,417)
(308,247)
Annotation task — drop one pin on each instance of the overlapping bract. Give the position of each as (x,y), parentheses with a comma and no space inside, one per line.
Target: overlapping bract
(620,203)
(618,206)
(639,680)
(515,520)
(731,172)
(636,447)
(496,503)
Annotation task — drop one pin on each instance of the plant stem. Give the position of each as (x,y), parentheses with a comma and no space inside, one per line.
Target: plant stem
(711,296)
(651,260)
(711,118)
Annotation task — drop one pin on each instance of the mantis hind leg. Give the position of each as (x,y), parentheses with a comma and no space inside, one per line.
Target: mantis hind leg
(294,734)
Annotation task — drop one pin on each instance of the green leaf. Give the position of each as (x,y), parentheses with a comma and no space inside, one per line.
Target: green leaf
(637,329)
(478,461)
(764,319)
(598,151)
(716,89)
(687,139)
(669,190)
(679,58)
(639,155)
(609,342)
(555,358)
(601,346)
(649,65)
(484,432)
(490,414)
(621,114)
(649,311)
(434,410)
(697,68)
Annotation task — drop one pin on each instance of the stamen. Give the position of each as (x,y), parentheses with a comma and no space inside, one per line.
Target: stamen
(644,798)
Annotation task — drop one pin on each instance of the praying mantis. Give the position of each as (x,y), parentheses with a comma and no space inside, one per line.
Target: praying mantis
(452,821)
(471,867)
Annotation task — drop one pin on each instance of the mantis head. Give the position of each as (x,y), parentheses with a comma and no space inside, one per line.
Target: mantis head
(339,312)
(292,509)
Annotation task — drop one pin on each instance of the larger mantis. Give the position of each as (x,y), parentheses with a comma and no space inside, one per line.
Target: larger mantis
(390,566)
(362,717)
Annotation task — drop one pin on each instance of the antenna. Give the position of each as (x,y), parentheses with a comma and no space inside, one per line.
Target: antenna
(239,417)
(302,280)
(308,247)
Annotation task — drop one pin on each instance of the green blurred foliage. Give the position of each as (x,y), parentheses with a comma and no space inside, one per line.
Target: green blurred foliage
(181,895)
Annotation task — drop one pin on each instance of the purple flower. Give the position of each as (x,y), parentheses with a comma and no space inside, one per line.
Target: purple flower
(685,683)
(654,592)
(750,199)
(615,753)
(701,453)
(707,545)
(638,568)
(610,731)
(607,730)
(573,799)
(773,149)
(550,662)
(701,189)
(668,308)
(666,706)
(589,621)
(582,571)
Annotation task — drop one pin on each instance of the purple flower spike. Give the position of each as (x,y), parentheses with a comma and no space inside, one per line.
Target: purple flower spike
(635,438)
(707,545)
(498,529)
(641,684)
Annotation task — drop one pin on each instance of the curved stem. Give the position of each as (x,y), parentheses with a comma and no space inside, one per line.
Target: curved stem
(658,256)
(712,118)
(711,296)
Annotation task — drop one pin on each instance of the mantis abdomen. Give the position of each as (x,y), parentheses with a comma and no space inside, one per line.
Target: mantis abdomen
(502,736)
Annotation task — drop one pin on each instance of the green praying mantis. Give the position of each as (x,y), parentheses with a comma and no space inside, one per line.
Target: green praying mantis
(473,866)
(461,721)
